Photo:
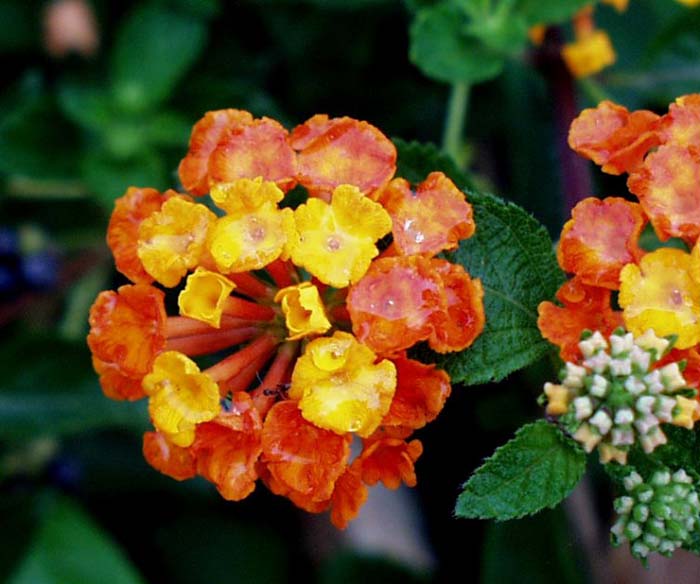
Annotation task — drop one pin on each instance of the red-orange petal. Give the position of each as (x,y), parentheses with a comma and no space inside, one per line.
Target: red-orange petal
(458,326)
(115,384)
(256,149)
(434,218)
(421,392)
(614,138)
(600,238)
(171,460)
(127,328)
(228,447)
(668,187)
(207,133)
(681,125)
(302,457)
(336,151)
(585,307)
(349,495)
(390,461)
(123,230)
(392,305)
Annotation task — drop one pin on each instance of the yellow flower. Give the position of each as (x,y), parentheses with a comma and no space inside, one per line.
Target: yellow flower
(172,240)
(685,412)
(245,195)
(303,311)
(180,397)
(340,387)
(621,5)
(660,293)
(204,296)
(589,54)
(558,399)
(336,242)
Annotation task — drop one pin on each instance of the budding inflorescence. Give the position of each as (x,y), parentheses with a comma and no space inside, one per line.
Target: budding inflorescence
(657,515)
(617,395)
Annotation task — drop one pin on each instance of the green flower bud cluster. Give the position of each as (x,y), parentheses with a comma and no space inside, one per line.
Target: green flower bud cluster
(658,515)
(615,397)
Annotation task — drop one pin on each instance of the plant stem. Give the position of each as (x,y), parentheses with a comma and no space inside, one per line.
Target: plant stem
(452,142)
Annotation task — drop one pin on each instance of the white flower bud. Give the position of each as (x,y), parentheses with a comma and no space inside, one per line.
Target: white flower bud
(621,344)
(600,386)
(645,404)
(583,407)
(624,416)
(602,421)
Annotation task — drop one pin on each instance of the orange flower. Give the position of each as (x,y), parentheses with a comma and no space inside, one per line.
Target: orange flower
(116,385)
(228,447)
(300,456)
(434,218)
(122,233)
(127,329)
(681,125)
(612,137)
(392,305)
(349,495)
(600,238)
(585,307)
(338,151)
(667,187)
(166,457)
(390,461)
(421,392)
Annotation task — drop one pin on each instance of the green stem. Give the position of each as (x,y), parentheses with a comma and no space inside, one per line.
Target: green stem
(452,142)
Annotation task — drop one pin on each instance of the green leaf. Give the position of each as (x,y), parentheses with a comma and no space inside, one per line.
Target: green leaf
(536,469)
(71,547)
(513,256)
(539,550)
(88,106)
(549,11)
(443,50)
(346,566)
(154,49)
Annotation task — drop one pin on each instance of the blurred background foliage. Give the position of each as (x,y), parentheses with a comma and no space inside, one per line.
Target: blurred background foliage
(98,95)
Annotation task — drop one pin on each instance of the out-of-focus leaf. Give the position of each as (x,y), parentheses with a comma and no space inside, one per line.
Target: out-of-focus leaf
(352,567)
(534,550)
(155,48)
(198,8)
(86,105)
(19,24)
(416,161)
(19,519)
(48,388)
(71,548)
(548,11)
(534,470)
(109,178)
(168,129)
(444,51)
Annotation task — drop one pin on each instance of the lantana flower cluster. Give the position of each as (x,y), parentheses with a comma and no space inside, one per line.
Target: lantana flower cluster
(293,318)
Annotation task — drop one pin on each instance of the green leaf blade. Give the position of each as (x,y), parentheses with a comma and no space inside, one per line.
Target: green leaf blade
(534,471)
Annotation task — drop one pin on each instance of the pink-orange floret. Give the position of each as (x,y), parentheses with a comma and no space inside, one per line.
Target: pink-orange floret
(172,460)
(390,461)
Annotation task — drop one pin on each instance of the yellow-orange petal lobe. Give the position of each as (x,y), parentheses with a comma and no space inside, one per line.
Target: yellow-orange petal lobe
(336,242)
(390,461)
(172,240)
(180,397)
(337,151)
(584,307)
(660,294)
(681,125)
(207,133)
(204,296)
(421,392)
(457,326)
(668,187)
(392,305)
(340,387)
(302,457)
(600,239)
(227,448)
(252,241)
(123,230)
(303,311)
(168,458)
(434,218)
(259,148)
(245,195)
(614,138)
(127,329)
(589,54)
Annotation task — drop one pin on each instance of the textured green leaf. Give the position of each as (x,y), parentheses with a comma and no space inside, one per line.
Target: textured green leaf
(443,50)
(536,469)
(71,548)
(155,48)
(513,256)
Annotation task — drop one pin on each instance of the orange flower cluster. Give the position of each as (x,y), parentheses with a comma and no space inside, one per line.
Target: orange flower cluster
(599,245)
(302,328)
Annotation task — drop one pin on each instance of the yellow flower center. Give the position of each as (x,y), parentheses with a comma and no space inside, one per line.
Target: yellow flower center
(303,311)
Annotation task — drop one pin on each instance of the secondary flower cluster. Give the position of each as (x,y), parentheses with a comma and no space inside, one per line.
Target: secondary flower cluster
(658,515)
(302,325)
(617,396)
